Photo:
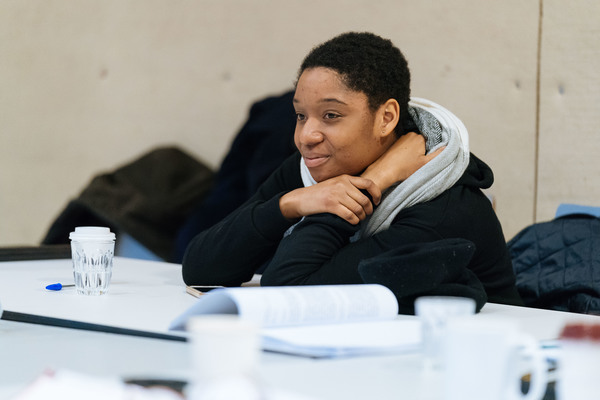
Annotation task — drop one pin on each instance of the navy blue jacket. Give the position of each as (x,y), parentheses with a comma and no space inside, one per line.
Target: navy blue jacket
(557,264)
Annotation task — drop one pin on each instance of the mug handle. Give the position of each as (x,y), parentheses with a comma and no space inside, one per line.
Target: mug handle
(539,369)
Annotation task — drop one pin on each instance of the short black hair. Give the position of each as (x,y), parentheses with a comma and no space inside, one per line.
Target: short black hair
(366,63)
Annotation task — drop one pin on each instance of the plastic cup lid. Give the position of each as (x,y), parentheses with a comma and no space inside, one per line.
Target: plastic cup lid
(92,233)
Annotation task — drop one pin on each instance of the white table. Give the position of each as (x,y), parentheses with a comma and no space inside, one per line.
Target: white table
(143,295)
(147,295)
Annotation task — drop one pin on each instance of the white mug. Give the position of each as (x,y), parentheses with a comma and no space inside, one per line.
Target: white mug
(484,359)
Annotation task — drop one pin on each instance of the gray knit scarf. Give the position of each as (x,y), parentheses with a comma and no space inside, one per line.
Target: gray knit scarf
(440,128)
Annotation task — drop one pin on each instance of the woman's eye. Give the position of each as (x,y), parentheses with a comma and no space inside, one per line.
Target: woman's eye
(331,116)
(300,117)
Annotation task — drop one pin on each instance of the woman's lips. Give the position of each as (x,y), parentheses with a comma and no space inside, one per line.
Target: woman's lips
(315,161)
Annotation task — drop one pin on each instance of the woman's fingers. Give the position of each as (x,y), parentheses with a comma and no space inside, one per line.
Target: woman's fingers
(433,155)
(359,199)
(349,197)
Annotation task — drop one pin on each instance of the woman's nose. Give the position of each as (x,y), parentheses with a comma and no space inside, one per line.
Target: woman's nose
(308,133)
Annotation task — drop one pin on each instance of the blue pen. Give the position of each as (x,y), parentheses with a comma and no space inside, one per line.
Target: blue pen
(57,286)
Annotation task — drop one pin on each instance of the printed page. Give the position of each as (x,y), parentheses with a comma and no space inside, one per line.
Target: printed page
(347,339)
(297,305)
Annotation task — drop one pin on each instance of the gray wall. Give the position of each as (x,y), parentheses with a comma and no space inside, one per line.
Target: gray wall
(90,85)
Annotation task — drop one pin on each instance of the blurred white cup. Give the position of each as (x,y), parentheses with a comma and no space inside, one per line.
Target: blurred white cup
(579,362)
(434,312)
(486,358)
(225,351)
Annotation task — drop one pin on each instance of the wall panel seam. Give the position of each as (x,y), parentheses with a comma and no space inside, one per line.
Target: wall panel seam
(537,112)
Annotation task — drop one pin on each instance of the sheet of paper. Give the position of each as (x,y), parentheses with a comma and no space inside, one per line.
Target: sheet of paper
(297,305)
(345,339)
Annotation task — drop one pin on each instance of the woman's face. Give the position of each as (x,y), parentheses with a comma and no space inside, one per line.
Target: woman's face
(336,131)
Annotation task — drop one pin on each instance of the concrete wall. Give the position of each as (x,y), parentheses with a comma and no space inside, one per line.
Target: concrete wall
(569,111)
(89,85)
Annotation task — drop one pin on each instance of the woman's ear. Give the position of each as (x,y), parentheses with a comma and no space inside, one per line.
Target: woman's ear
(390,115)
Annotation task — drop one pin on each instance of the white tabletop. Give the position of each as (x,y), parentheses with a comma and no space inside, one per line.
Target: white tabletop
(143,295)
(147,295)
(27,350)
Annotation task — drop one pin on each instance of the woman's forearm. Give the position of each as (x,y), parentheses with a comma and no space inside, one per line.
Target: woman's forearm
(400,161)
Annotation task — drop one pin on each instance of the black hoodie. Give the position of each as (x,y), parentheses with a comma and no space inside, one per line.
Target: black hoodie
(319,250)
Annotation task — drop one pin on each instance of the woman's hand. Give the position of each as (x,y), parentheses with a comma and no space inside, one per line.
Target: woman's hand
(340,195)
(400,161)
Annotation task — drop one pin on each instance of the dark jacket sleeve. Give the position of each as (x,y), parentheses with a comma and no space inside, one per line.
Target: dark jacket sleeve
(231,251)
(392,258)
(319,250)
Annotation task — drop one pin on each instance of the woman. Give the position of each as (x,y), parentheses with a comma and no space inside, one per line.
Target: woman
(335,213)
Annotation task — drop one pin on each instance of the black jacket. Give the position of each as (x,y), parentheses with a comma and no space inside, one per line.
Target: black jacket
(318,251)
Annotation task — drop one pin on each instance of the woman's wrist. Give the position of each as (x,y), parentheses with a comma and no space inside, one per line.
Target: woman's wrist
(286,205)
(381,177)
(399,161)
